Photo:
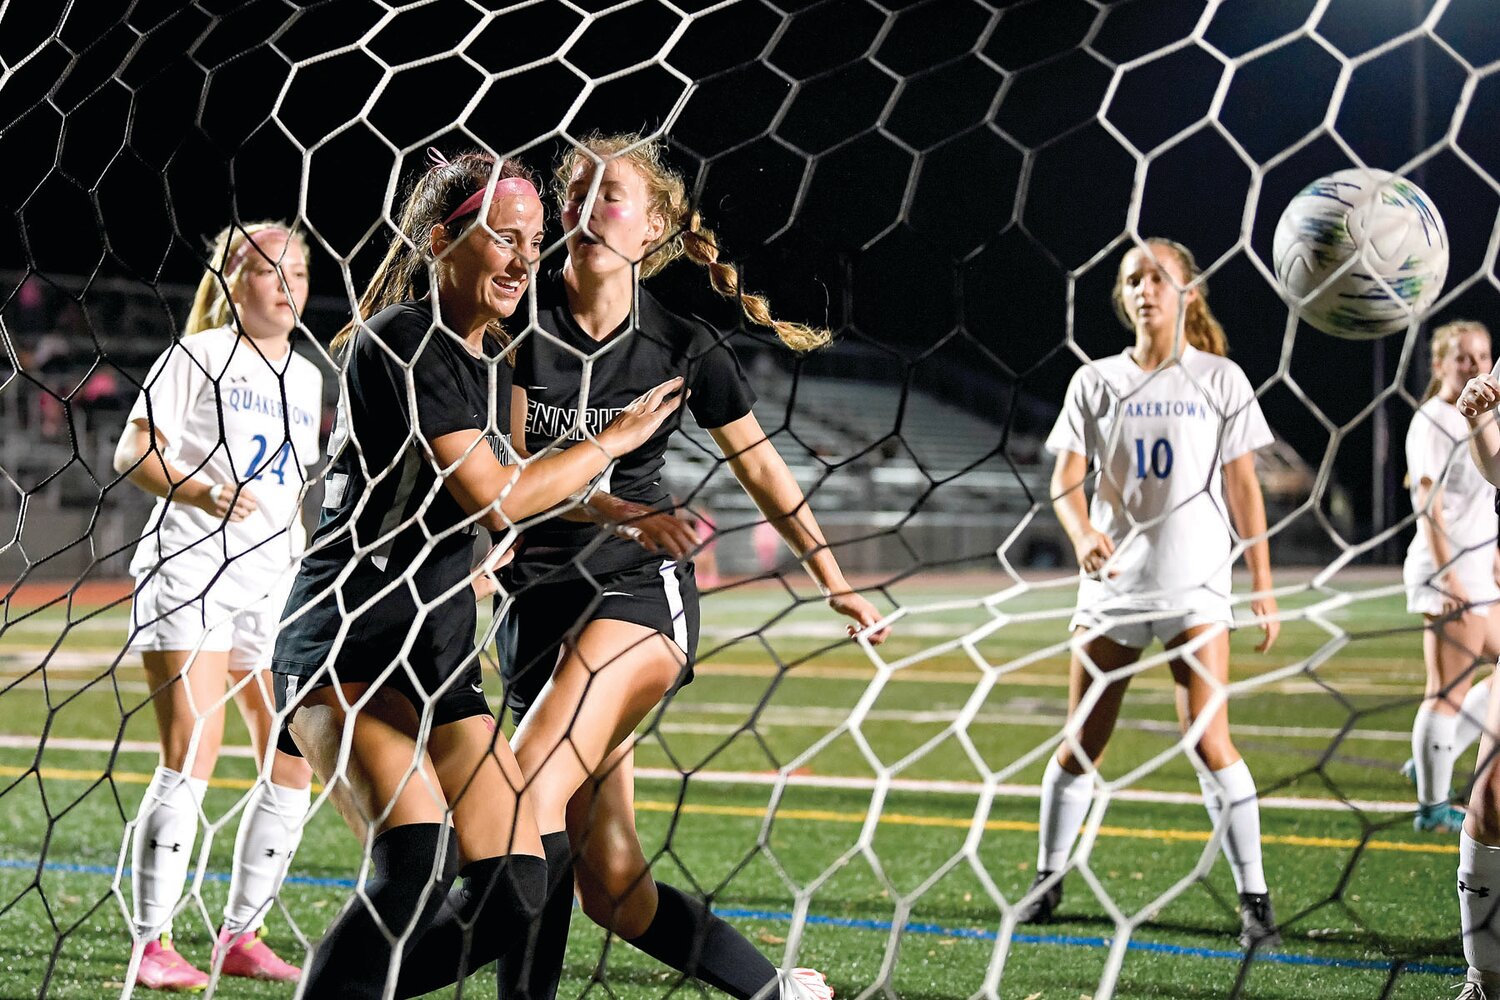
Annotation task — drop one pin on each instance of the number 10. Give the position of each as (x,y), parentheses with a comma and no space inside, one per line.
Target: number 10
(1161,458)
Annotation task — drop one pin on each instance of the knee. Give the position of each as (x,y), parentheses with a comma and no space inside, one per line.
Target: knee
(289,771)
(617,893)
(1078,763)
(1217,752)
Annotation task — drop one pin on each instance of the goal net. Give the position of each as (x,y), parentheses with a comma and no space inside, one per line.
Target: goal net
(947,185)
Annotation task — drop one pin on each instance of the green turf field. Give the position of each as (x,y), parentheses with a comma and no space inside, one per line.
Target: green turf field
(1368,906)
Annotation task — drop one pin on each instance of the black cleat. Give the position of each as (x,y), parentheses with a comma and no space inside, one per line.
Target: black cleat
(1258,922)
(1041,909)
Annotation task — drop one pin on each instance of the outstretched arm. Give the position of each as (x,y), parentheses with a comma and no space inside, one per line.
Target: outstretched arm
(506,494)
(655,530)
(763,473)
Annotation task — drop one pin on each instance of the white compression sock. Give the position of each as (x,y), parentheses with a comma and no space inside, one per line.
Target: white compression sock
(1242,835)
(162,848)
(270,830)
(1432,749)
(1065,803)
(1471,718)
(1478,899)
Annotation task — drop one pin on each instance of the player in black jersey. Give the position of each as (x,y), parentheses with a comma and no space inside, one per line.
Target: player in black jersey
(378,640)
(603,632)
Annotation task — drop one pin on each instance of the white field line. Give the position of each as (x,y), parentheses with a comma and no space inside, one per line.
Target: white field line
(828,717)
(92,665)
(771,778)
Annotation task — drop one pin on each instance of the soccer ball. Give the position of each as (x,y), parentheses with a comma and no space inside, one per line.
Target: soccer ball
(1392,232)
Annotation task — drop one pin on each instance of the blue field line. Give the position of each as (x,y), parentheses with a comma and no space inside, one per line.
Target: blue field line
(937,930)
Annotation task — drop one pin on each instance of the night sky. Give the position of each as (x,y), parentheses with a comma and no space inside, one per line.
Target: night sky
(936,180)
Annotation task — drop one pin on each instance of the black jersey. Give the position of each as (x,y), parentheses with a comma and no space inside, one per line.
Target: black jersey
(646,350)
(383,496)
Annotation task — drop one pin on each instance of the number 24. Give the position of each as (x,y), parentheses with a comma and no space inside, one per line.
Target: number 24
(256,470)
(1161,458)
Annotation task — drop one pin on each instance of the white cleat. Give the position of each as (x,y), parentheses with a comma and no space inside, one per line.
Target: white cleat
(805,984)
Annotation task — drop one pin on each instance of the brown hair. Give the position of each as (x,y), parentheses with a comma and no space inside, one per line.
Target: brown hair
(686,235)
(228,254)
(431,196)
(1199,326)
(1444,340)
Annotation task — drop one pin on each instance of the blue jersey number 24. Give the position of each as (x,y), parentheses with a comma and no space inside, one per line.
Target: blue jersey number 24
(256,470)
(1161,458)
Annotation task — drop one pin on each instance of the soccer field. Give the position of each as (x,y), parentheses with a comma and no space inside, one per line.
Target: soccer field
(908,900)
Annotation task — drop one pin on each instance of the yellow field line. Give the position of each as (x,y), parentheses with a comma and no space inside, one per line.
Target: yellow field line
(828,816)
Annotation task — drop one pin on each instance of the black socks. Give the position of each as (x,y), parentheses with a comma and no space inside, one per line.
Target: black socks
(532,972)
(403,887)
(488,914)
(686,935)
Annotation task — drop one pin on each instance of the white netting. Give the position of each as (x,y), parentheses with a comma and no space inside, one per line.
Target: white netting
(949,185)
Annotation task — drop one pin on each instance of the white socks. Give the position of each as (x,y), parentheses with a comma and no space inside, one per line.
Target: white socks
(1065,804)
(162,848)
(1471,718)
(1432,748)
(1242,834)
(1478,898)
(270,830)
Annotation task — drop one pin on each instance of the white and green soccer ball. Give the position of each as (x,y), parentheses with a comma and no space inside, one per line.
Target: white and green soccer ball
(1363,252)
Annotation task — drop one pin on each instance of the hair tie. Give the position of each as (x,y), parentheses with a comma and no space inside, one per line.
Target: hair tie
(436,158)
(502,188)
(241,252)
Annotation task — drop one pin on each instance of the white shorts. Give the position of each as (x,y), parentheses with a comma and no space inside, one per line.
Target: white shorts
(1134,628)
(1424,598)
(170,611)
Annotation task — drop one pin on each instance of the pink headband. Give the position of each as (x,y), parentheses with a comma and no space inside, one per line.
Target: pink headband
(238,257)
(506,187)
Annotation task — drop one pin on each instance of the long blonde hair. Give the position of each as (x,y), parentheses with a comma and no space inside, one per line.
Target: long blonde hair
(431,198)
(686,234)
(228,254)
(1444,340)
(1199,325)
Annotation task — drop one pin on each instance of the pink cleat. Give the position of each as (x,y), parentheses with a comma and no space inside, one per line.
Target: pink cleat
(247,954)
(163,969)
(805,984)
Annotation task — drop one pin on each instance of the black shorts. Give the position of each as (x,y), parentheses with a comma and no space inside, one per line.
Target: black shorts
(443,645)
(463,699)
(658,595)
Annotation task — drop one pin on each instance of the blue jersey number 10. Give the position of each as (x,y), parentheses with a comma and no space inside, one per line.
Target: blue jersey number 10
(1161,458)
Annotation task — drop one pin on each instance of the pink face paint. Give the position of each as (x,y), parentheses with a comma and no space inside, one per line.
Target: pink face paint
(506,187)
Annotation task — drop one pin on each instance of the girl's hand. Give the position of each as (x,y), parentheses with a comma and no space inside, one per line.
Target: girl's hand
(1455,597)
(1270,621)
(222,501)
(638,421)
(1093,551)
(852,605)
(1480,395)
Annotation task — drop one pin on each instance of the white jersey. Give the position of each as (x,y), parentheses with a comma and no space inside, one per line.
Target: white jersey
(1158,441)
(1437,449)
(270,413)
